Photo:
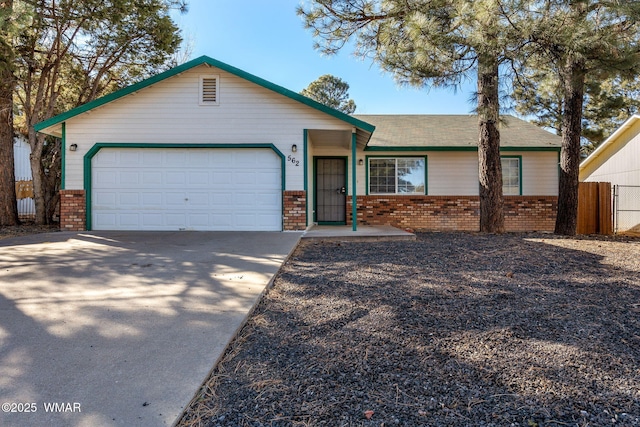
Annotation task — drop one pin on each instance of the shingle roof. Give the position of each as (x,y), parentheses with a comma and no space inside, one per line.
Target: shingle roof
(443,132)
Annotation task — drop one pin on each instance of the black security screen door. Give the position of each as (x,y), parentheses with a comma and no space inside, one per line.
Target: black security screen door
(331,194)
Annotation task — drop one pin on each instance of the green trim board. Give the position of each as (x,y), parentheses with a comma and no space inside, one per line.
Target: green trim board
(100,145)
(519,170)
(305,165)
(426,174)
(428,148)
(354,199)
(315,187)
(203,60)
(63,156)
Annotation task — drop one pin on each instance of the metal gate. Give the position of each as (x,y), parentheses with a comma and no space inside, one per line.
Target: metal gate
(626,200)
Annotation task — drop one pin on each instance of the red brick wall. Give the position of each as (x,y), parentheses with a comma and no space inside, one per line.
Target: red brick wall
(449,213)
(530,213)
(295,210)
(73,210)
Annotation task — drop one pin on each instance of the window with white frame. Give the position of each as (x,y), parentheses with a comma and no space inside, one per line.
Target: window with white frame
(209,90)
(511,177)
(402,175)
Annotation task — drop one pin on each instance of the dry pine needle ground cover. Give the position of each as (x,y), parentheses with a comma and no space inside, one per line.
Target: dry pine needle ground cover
(449,330)
(26,229)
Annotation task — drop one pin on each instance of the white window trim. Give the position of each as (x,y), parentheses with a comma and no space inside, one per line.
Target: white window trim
(519,187)
(201,90)
(396,193)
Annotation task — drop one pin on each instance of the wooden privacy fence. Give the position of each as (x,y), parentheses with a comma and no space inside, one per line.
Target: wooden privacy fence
(595,215)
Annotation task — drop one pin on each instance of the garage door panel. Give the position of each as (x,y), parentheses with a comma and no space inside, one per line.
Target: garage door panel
(221,199)
(107,219)
(202,178)
(129,178)
(221,159)
(175,219)
(151,158)
(151,178)
(106,178)
(175,199)
(128,220)
(265,220)
(222,221)
(269,200)
(107,157)
(105,199)
(129,199)
(173,189)
(151,200)
(198,200)
(131,158)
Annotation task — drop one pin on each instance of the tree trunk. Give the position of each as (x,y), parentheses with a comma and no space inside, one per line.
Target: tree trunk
(8,203)
(39,178)
(490,166)
(573,78)
(53,178)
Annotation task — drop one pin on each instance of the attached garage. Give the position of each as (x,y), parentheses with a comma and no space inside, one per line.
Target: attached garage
(203,146)
(185,188)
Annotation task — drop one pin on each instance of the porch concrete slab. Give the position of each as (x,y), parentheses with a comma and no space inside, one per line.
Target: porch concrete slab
(363,233)
(122,328)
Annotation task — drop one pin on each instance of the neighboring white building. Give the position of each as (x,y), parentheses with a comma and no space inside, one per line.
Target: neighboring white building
(24,182)
(617,160)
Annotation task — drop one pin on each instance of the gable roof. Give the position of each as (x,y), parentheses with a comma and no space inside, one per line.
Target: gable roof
(453,132)
(48,126)
(605,150)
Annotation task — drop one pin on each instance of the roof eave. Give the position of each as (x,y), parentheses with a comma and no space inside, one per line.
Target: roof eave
(609,141)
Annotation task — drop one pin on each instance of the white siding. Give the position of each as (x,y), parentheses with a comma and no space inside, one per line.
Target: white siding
(539,172)
(622,165)
(452,173)
(455,173)
(169,112)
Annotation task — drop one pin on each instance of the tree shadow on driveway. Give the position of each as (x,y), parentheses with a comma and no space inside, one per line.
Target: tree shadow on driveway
(126,324)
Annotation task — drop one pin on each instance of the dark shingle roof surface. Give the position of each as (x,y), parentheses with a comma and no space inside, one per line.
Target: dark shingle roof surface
(452,131)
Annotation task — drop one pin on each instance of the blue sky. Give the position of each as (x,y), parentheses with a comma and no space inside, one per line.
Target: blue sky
(267,38)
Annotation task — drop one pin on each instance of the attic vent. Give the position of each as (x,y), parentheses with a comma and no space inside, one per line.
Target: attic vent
(209,90)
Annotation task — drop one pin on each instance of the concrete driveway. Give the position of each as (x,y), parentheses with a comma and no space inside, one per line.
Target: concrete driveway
(121,328)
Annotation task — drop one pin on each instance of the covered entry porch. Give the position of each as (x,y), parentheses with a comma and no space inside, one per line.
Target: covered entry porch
(333,159)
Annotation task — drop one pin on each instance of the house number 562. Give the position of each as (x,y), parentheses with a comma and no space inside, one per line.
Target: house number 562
(293,160)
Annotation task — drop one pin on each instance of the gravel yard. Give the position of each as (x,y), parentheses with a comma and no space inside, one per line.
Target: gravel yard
(26,229)
(450,330)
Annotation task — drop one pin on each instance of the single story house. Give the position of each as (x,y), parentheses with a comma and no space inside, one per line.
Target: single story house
(207,146)
(617,160)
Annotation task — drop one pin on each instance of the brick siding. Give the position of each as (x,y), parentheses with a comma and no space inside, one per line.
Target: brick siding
(453,213)
(295,210)
(73,211)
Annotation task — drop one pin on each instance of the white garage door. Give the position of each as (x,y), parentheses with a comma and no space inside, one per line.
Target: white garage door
(186,189)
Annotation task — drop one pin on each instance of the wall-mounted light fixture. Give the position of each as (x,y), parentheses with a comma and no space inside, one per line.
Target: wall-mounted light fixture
(73,147)
(294,148)
(361,162)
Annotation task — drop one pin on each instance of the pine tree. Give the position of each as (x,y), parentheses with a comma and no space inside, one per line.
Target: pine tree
(331,91)
(73,52)
(578,39)
(432,43)
(8,205)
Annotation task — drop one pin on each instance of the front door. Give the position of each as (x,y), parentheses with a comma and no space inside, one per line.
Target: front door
(331,193)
